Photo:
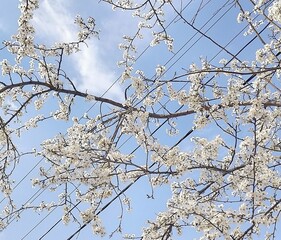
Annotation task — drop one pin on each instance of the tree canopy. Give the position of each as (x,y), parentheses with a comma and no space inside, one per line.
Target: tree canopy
(208,129)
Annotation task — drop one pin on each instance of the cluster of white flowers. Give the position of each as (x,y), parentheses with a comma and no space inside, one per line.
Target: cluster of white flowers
(160,70)
(32,123)
(233,93)
(155,97)
(129,124)
(87,29)
(265,56)
(6,67)
(139,86)
(23,45)
(274,11)
(159,37)
(66,216)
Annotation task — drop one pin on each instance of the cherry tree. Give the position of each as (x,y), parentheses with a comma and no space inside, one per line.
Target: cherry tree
(226,186)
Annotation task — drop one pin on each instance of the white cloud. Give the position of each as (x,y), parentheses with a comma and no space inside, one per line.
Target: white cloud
(95,72)
(54,23)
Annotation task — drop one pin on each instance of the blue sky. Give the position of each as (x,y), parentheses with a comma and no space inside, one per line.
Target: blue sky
(94,69)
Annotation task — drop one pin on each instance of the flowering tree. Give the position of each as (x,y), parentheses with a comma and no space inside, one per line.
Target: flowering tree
(225,187)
